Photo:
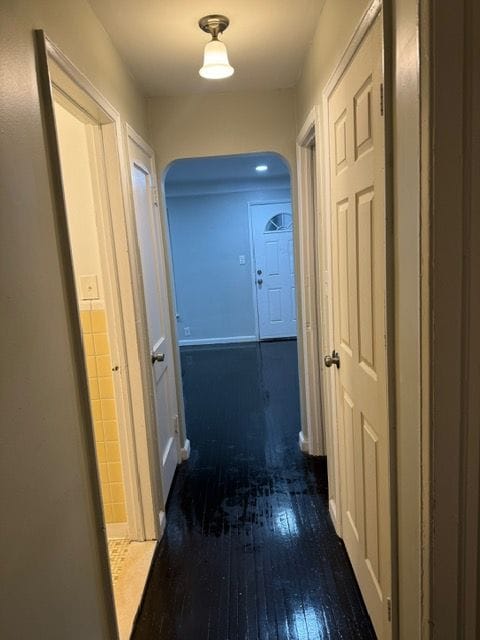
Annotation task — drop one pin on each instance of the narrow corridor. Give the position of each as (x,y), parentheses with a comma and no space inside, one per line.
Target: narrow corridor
(249,551)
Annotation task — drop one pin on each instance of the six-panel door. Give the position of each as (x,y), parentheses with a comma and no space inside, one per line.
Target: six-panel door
(357,162)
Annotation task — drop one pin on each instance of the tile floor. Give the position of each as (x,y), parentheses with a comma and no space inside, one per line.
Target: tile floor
(117,551)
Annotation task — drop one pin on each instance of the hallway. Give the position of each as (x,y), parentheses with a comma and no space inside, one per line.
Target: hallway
(249,550)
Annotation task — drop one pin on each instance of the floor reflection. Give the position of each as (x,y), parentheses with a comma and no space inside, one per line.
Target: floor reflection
(249,552)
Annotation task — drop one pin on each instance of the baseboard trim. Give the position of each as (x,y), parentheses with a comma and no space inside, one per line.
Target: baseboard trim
(162,522)
(302,442)
(228,340)
(185,451)
(117,530)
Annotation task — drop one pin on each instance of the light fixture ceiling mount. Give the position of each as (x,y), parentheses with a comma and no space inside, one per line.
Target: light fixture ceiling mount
(214,25)
(215,57)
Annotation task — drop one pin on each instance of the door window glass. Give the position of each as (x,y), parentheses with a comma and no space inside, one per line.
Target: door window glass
(279,222)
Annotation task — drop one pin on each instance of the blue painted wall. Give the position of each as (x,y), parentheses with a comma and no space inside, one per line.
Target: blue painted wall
(209,231)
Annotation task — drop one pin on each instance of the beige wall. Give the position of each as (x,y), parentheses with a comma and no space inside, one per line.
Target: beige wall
(67,24)
(222,124)
(338,21)
(55,580)
(76,144)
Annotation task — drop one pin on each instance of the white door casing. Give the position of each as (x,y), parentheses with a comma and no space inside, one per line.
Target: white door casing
(68,83)
(357,201)
(274,266)
(313,438)
(150,243)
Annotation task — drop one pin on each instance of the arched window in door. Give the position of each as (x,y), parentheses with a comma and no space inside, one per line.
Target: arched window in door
(280,222)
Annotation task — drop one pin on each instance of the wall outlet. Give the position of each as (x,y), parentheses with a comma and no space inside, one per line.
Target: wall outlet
(186,331)
(241,259)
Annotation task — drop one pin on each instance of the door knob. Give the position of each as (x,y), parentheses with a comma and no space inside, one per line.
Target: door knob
(158,357)
(260,281)
(334,359)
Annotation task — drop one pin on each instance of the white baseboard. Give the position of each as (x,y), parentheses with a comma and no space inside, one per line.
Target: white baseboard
(302,442)
(228,340)
(162,521)
(117,530)
(185,451)
(333,514)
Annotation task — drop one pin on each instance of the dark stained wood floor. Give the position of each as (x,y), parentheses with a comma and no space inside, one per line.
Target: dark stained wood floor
(249,552)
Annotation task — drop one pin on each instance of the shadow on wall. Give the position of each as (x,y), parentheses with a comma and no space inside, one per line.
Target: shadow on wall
(207,203)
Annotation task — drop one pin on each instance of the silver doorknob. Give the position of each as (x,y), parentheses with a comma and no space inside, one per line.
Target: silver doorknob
(334,359)
(260,281)
(158,357)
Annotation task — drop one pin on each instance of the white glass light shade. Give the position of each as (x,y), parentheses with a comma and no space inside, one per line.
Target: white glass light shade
(215,61)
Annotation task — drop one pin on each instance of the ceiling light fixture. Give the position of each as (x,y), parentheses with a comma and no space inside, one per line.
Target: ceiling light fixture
(261,168)
(215,57)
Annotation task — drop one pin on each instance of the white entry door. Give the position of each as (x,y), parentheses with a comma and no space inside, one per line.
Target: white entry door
(160,357)
(274,263)
(357,174)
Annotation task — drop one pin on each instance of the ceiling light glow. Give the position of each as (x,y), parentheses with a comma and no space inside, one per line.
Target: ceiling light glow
(261,168)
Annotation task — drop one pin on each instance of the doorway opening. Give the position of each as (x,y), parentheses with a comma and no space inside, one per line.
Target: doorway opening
(86,132)
(231,232)
(231,235)
(247,511)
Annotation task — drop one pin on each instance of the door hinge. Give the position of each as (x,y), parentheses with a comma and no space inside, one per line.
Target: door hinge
(155,195)
(389,609)
(381,99)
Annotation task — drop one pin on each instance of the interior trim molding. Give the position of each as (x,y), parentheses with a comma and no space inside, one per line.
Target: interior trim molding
(185,451)
(227,340)
(162,523)
(365,23)
(303,442)
(311,292)
(212,188)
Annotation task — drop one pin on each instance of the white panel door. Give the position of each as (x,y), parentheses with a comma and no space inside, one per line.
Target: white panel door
(149,236)
(357,161)
(274,269)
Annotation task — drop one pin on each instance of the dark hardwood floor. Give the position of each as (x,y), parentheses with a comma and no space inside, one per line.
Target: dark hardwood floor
(249,551)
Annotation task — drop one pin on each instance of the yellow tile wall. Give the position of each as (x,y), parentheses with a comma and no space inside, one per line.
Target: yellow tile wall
(102,400)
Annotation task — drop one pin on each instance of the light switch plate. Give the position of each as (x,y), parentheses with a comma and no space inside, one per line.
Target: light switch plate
(89,287)
(241,259)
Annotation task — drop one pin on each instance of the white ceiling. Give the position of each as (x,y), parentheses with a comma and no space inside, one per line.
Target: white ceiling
(163,46)
(227,168)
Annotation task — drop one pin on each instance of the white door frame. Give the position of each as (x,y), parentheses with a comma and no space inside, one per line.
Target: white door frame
(140,480)
(312,289)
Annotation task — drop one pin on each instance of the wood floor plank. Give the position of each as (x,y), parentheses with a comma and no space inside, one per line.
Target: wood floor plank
(249,551)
